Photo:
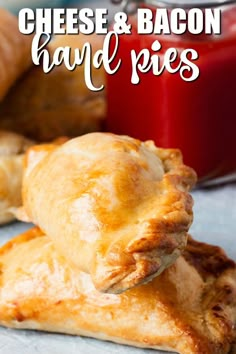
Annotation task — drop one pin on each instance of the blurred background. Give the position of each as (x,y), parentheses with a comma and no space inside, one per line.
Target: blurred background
(15,5)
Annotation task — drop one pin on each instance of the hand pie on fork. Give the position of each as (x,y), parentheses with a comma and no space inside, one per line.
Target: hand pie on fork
(190,308)
(115,207)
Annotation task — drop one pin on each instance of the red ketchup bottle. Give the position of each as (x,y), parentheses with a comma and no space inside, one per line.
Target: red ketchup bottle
(198,117)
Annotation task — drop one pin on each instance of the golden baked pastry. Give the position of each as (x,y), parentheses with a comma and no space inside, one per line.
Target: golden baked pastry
(12,148)
(45,106)
(190,308)
(15,49)
(121,206)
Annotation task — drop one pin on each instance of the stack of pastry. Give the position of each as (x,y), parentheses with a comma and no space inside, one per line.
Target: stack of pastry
(111,257)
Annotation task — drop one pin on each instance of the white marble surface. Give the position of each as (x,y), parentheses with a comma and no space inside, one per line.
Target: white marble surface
(215,218)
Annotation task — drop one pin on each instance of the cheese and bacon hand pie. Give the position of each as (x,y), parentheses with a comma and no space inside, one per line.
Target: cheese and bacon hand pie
(120,206)
(45,106)
(12,149)
(15,56)
(190,308)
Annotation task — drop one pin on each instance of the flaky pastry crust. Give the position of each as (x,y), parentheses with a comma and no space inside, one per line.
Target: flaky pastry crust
(12,148)
(190,308)
(122,207)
